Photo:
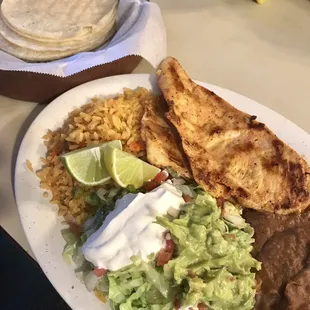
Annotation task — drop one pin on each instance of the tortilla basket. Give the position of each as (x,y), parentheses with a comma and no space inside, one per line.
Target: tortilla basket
(43,88)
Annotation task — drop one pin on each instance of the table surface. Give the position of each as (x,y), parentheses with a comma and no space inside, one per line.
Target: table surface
(260,51)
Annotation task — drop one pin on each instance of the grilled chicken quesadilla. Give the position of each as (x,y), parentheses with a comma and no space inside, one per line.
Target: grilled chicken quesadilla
(230,153)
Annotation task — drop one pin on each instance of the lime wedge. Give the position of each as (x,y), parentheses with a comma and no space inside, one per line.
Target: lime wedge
(126,169)
(87,165)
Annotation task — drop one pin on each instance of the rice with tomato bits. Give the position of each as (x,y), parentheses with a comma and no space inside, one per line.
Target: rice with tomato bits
(98,121)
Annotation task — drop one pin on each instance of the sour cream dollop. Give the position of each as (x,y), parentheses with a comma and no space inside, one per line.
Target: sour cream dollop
(130,229)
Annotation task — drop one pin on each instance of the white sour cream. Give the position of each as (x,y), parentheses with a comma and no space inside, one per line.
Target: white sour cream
(130,229)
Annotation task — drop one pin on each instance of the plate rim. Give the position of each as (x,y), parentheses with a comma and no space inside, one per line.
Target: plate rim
(51,105)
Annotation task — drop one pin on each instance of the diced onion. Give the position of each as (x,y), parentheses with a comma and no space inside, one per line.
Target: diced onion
(101,192)
(178,181)
(91,281)
(173,212)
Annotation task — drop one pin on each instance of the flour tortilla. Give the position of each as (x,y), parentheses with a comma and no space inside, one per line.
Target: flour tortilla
(35,56)
(56,20)
(99,36)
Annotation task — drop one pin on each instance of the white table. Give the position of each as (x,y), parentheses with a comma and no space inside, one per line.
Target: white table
(260,51)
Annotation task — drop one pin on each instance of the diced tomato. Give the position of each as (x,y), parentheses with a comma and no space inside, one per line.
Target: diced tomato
(151,185)
(163,257)
(176,303)
(169,242)
(53,154)
(165,254)
(99,272)
(220,201)
(136,146)
(169,246)
(162,176)
(187,198)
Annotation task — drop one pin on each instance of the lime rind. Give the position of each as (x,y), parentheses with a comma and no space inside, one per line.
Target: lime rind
(126,169)
(87,165)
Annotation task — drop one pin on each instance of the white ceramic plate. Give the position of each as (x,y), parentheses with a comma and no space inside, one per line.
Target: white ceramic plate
(39,219)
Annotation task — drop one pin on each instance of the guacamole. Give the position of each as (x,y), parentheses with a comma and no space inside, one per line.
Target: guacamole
(212,263)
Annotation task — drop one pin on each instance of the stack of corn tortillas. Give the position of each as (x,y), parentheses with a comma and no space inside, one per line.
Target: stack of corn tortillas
(43,30)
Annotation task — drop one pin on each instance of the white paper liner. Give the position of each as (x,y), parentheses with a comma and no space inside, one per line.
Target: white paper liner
(141,32)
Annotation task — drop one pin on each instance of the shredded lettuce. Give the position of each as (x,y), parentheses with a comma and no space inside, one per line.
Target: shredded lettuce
(104,197)
(140,286)
(190,189)
(72,249)
(78,257)
(69,237)
(172,172)
(94,200)
(186,190)
(77,192)
(68,252)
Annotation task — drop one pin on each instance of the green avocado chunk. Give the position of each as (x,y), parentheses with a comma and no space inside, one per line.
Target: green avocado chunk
(213,262)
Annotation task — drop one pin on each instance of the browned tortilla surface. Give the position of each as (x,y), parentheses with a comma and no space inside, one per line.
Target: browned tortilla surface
(230,153)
